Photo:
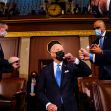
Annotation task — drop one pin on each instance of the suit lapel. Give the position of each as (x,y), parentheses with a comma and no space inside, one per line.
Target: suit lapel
(52,75)
(62,76)
(106,40)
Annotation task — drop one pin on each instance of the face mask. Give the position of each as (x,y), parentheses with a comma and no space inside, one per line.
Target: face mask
(59,55)
(33,76)
(98,32)
(4,33)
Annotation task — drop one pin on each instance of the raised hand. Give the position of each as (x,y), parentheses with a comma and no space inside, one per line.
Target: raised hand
(84,54)
(96,49)
(69,57)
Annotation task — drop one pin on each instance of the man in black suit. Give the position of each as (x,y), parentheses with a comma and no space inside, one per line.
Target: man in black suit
(12,63)
(100,51)
(56,91)
(9,65)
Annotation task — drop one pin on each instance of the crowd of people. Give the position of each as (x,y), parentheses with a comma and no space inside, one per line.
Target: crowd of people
(97,8)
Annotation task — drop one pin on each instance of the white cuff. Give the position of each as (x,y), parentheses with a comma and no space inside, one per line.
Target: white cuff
(48,104)
(93,58)
(76,61)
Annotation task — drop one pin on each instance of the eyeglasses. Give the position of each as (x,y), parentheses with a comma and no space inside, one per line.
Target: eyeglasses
(96,28)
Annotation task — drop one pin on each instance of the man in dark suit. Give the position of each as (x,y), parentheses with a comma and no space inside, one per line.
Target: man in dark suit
(9,65)
(56,81)
(100,51)
(12,63)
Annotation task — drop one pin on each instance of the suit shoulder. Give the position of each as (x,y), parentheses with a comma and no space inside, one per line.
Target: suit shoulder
(46,67)
(108,33)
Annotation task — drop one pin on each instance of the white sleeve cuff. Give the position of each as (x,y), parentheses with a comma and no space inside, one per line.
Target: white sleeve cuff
(47,104)
(76,61)
(93,58)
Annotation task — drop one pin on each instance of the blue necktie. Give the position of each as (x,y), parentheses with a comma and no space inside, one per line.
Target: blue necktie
(58,75)
(101,42)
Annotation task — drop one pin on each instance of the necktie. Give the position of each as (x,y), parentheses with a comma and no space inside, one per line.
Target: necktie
(58,75)
(101,42)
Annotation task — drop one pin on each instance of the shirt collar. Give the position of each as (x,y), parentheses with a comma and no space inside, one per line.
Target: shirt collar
(55,64)
(103,34)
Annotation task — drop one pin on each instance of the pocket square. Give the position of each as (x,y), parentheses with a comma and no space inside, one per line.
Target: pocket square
(66,71)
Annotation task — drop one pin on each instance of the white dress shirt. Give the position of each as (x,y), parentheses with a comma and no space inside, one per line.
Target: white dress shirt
(108,3)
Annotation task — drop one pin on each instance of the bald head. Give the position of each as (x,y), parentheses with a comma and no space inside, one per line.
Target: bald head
(100,24)
(56,48)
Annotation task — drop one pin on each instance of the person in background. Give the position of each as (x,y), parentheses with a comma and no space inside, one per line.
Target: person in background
(32,92)
(101,8)
(12,63)
(100,51)
(56,80)
(3,29)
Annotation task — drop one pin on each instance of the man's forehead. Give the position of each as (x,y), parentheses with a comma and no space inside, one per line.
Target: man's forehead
(98,23)
(56,46)
(50,44)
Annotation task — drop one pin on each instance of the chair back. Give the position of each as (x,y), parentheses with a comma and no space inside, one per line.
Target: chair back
(11,86)
(102,95)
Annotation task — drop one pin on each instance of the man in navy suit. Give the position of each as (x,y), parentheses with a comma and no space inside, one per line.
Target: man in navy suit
(60,97)
(100,51)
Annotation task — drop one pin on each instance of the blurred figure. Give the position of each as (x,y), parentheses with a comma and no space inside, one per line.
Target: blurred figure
(77,9)
(12,10)
(2,7)
(41,11)
(32,92)
(101,8)
(3,29)
(12,63)
(100,50)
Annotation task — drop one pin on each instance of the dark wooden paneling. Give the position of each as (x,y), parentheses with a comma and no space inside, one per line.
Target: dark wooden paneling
(38,49)
(10,46)
(36,23)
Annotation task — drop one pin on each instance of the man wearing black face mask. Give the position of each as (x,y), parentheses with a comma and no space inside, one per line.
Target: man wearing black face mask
(56,81)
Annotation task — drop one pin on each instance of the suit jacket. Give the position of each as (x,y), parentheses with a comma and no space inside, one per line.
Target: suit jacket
(49,91)
(5,66)
(104,60)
